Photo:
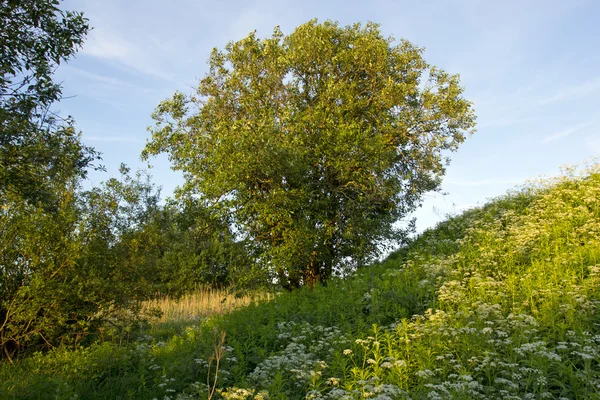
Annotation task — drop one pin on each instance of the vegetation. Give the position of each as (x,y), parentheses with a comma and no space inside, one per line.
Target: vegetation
(315,143)
(39,149)
(87,266)
(199,303)
(497,303)
(42,161)
(76,265)
(301,154)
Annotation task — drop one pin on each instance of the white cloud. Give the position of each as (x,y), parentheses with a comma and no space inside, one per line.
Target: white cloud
(168,41)
(564,133)
(105,80)
(110,47)
(106,45)
(573,92)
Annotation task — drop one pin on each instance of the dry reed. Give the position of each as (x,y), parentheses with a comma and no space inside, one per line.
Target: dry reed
(201,303)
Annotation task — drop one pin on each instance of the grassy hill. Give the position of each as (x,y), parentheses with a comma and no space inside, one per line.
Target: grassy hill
(500,302)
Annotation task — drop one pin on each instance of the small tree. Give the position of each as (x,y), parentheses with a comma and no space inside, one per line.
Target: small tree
(38,148)
(42,161)
(67,272)
(316,143)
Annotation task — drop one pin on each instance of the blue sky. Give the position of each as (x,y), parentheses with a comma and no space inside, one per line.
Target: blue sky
(532,69)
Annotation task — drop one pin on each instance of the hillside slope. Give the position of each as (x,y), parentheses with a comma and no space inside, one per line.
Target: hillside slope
(500,302)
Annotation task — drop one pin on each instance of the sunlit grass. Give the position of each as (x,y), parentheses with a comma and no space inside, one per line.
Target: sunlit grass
(203,302)
(500,302)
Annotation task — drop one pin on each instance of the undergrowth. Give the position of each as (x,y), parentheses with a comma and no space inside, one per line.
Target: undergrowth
(500,302)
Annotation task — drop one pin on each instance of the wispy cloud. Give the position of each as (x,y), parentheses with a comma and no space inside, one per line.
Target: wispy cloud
(139,57)
(564,133)
(106,80)
(573,92)
(104,44)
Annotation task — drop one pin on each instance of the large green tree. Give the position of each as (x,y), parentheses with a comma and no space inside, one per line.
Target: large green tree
(38,147)
(317,143)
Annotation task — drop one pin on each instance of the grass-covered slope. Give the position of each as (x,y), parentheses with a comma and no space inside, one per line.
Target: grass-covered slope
(500,302)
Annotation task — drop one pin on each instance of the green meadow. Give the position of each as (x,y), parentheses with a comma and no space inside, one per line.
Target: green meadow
(300,158)
(499,302)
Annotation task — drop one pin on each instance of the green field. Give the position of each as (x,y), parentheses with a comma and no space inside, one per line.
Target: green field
(500,302)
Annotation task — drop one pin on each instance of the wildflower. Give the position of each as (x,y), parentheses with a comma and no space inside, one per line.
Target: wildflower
(426,373)
(262,395)
(333,381)
(347,352)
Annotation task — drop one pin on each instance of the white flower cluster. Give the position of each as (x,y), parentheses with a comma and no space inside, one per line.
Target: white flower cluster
(243,394)
(304,347)
(366,389)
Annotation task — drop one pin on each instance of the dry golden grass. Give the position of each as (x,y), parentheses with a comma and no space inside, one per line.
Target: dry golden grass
(201,303)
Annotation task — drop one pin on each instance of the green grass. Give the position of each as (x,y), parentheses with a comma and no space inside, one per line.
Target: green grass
(500,302)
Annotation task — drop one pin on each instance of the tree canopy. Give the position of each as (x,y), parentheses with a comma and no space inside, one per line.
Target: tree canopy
(316,143)
(42,161)
(74,263)
(38,148)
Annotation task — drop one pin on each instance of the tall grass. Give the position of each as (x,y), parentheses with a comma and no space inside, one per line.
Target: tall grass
(201,303)
(501,302)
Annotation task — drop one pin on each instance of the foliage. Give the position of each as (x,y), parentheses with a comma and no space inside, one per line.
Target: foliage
(38,250)
(507,308)
(38,148)
(85,266)
(316,143)
(67,272)
(516,314)
(76,262)
(197,247)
